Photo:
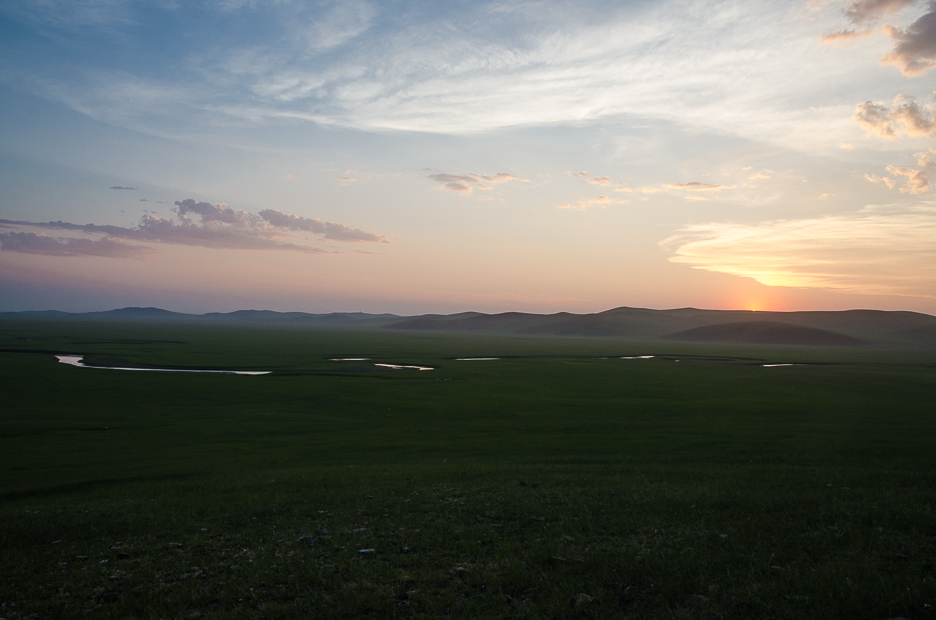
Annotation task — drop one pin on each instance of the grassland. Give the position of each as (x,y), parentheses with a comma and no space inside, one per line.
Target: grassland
(551,484)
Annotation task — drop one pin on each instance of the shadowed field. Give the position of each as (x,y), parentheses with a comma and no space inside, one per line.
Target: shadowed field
(557,482)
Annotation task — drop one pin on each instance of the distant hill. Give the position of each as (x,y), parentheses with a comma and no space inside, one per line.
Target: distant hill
(827,328)
(238,316)
(646,324)
(764,332)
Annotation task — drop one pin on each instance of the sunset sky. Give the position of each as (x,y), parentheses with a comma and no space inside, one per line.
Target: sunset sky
(410,157)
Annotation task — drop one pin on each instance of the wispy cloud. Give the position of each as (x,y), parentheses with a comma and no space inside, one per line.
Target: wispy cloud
(331,230)
(607,182)
(845,36)
(466,183)
(122,187)
(200,224)
(877,250)
(698,186)
(445,69)
(33,243)
(342,22)
(588,203)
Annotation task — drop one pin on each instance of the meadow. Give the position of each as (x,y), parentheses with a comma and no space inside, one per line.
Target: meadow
(557,482)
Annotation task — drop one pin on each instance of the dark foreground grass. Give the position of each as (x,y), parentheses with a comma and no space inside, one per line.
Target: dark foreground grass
(532,487)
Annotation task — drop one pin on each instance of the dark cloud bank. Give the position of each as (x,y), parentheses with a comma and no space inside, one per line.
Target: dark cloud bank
(200,224)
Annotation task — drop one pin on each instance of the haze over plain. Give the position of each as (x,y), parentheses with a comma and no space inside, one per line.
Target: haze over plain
(407,157)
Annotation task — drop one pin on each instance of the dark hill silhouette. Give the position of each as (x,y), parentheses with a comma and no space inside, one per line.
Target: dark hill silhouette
(645,324)
(764,332)
(876,326)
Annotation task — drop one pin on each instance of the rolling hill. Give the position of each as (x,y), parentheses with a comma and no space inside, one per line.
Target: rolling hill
(826,328)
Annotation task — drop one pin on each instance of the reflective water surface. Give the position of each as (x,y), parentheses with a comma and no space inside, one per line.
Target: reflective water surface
(398,367)
(75,360)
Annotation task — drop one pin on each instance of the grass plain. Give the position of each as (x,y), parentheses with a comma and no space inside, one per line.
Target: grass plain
(559,482)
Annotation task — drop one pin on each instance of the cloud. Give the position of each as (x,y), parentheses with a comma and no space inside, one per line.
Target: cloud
(915,50)
(889,182)
(844,36)
(875,118)
(331,230)
(218,212)
(917,181)
(580,174)
(346,20)
(456,68)
(760,175)
(925,161)
(877,250)
(32,243)
(466,183)
(698,186)
(607,182)
(207,225)
(864,11)
(345,180)
(122,187)
(289,176)
(904,116)
(582,205)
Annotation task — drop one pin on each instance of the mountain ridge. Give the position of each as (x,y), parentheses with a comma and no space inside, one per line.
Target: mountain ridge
(846,326)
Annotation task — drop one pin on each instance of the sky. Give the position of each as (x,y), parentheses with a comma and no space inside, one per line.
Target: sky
(412,157)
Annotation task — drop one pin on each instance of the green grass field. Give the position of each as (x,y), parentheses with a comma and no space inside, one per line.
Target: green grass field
(552,484)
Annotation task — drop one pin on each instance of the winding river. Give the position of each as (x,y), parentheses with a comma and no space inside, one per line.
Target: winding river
(76,360)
